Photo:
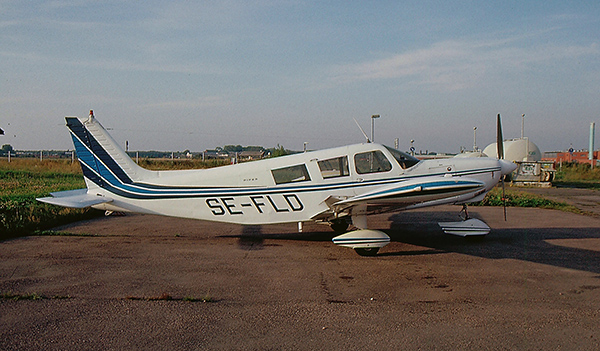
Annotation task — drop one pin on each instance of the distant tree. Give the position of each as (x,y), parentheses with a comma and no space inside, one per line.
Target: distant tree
(6,148)
(253,148)
(279,151)
(233,148)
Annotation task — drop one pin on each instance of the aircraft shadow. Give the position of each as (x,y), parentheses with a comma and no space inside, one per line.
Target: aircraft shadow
(421,229)
(252,237)
(527,244)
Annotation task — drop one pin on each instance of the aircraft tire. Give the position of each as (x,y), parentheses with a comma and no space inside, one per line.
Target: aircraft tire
(339,225)
(370,251)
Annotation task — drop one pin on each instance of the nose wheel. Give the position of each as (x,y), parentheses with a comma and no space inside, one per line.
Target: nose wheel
(371,251)
(467,227)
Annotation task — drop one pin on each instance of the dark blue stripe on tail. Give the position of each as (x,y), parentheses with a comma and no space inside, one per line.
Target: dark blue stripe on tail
(78,129)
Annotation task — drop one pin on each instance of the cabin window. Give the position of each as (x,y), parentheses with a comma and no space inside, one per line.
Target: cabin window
(291,174)
(334,167)
(371,162)
(405,160)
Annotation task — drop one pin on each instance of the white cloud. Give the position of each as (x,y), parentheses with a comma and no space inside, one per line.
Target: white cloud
(453,65)
(118,64)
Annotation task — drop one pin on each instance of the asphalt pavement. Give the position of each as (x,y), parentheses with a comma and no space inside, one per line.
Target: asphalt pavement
(148,282)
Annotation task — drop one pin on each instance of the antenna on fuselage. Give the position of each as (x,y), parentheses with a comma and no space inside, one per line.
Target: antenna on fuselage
(365,134)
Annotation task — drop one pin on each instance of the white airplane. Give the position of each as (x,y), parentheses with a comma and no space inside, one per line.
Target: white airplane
(336,186)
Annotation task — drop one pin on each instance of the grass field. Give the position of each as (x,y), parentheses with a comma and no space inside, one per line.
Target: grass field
(22,180)
(574,175)
(516,198)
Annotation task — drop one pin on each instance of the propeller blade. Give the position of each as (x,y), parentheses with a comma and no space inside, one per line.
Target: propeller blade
(500,139)
(500,145)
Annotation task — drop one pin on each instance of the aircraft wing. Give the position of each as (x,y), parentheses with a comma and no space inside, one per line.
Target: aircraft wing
(411,192)
(74,198)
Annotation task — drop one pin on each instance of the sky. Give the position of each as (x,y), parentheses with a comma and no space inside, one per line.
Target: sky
(193,75)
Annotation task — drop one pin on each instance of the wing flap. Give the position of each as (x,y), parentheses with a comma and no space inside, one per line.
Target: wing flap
(74,198)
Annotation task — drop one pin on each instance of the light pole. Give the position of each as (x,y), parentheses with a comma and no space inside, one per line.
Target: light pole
(474,139)
(373,127)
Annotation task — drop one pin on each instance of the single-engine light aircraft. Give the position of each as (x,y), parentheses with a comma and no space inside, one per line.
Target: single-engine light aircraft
(338,186)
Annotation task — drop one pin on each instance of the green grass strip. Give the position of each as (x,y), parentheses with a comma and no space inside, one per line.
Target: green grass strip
(522,199)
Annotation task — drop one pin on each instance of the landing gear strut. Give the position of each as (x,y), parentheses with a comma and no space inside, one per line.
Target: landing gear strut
(464,213)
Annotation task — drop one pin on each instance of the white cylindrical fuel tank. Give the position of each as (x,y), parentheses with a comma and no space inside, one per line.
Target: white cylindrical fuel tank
(516,150)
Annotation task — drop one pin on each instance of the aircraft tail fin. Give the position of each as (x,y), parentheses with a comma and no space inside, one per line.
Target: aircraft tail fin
(101,158)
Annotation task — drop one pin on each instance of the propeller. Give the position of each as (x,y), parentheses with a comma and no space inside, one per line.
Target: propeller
(499,139)
(500,146)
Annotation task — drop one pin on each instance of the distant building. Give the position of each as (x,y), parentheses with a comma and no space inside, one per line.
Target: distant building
(580,156)
(212,154)
(251,155)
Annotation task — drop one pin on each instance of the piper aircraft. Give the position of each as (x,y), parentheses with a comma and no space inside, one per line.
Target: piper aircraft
(338,186)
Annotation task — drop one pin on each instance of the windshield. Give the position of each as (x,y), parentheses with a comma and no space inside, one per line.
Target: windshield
(405,160)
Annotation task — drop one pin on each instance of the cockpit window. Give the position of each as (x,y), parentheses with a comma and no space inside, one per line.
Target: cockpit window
(371,162)
(405,160)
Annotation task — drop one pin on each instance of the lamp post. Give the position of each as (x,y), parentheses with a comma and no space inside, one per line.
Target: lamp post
(522,126)
(474,139)
(373,127)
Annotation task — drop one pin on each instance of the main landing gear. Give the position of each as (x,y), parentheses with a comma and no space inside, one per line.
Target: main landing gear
(365,242)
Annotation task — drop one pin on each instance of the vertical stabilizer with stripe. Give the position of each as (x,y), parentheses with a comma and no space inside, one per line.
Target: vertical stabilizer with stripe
(100,155)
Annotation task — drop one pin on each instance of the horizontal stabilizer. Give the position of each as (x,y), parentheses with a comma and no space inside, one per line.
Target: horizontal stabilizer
(74,198)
